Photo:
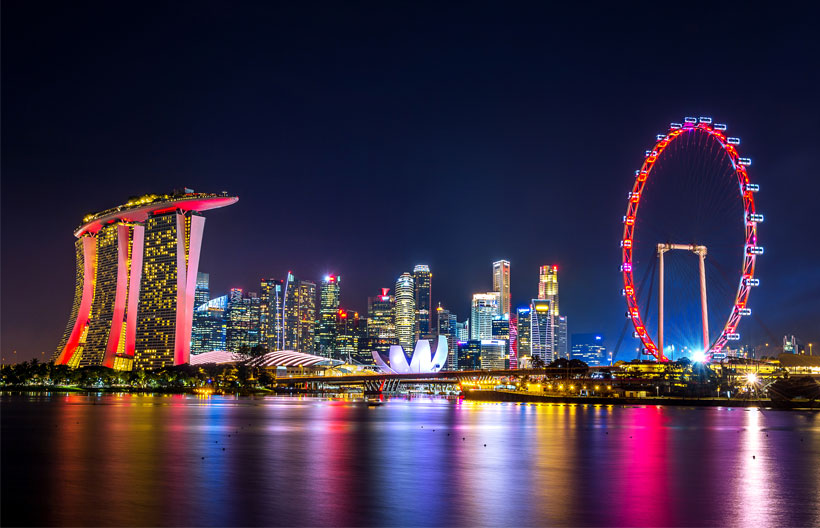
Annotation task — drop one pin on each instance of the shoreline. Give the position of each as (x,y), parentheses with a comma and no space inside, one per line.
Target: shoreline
(519,397)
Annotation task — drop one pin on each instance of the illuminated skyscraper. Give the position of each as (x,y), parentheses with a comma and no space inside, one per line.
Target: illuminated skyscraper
(484,309)
(501,332)
(243,321)
(307,317)
(447,327)
(514,342)
(524,332)
(561,350)
(422,283)
(272,304)
(541,330)
(349,329)
(326,326)
(405,311)
(136,282)
(209,326)
(501,284)
(199,339)
(548,286)
(381,315)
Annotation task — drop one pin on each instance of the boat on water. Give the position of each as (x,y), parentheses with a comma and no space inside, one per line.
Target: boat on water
(374,402)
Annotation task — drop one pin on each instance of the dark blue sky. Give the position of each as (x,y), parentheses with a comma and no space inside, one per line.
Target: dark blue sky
(365,138)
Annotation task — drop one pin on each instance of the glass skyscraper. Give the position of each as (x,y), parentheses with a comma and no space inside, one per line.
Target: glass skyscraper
(501,284)
(422,284)
(328,305)
(405,311)
(485,307)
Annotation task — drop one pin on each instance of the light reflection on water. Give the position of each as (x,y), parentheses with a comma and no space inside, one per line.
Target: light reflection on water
(138,460)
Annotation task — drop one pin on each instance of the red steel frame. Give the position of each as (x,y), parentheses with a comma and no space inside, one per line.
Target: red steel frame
(691,126)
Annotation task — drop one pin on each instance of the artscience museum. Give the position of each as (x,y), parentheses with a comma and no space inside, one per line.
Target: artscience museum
(423,361)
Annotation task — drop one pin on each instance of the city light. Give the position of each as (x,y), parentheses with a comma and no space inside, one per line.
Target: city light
(751,378)
(698,356)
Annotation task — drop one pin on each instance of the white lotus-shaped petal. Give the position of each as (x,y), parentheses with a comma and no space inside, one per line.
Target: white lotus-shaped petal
(380,362)
(440,359)
(398,361)
(420,363)
(421,357)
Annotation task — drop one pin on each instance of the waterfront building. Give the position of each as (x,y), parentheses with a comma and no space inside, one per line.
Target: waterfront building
(541,330)
(427,357)
(485,307)
(446,326)
(469,354)
(589,348)
(790,345)
(328,305)
(501,284)
(493,354)
(405,310)
(422,286)
(135,284)
(523,323)
(381,315)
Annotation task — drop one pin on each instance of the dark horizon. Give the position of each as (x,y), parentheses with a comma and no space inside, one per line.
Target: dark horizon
(364,140)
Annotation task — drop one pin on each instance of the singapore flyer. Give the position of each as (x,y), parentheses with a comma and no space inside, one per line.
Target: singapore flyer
(689,243)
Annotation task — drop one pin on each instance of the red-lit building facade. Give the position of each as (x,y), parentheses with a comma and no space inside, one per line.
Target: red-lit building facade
(136,276)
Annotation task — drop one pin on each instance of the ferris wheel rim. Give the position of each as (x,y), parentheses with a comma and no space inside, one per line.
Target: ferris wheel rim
(751,248)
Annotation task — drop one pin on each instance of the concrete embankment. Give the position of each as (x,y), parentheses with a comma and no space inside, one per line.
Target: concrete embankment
(528,397)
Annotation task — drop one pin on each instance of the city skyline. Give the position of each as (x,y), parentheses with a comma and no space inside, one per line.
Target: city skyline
(322,164)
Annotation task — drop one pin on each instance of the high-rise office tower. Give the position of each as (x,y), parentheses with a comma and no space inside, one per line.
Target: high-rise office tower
(541,330)
(307,317)
(524,329)
(272,305)
(199,339)
(463,331)
(514,342)
(589,348)
(469,355)
(243,321)
(485,307)
(326,325)
(381,315)
(501,331)
(298,321)
(209,326)
(501,284)
(548,286)
(493,354)
(422,284)
(202,294)
(349,329)
(446,326)
(405,311)
(136,281)
(561,350)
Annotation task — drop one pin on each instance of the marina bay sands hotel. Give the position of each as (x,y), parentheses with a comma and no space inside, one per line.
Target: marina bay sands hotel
(136,277)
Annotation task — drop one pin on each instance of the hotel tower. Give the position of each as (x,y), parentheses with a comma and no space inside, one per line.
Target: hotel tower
(136,278)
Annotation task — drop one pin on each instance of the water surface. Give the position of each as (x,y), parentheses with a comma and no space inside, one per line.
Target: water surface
(125,460)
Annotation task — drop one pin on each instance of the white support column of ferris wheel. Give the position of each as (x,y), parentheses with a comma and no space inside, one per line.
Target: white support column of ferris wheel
(662,248)
(701,251)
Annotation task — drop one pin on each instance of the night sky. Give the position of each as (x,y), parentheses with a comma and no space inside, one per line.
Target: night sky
(363,139)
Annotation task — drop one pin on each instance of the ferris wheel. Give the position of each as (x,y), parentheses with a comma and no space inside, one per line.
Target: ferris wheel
(706,145)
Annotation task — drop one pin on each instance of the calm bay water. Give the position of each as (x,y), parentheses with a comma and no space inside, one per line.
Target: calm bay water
(124,460)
